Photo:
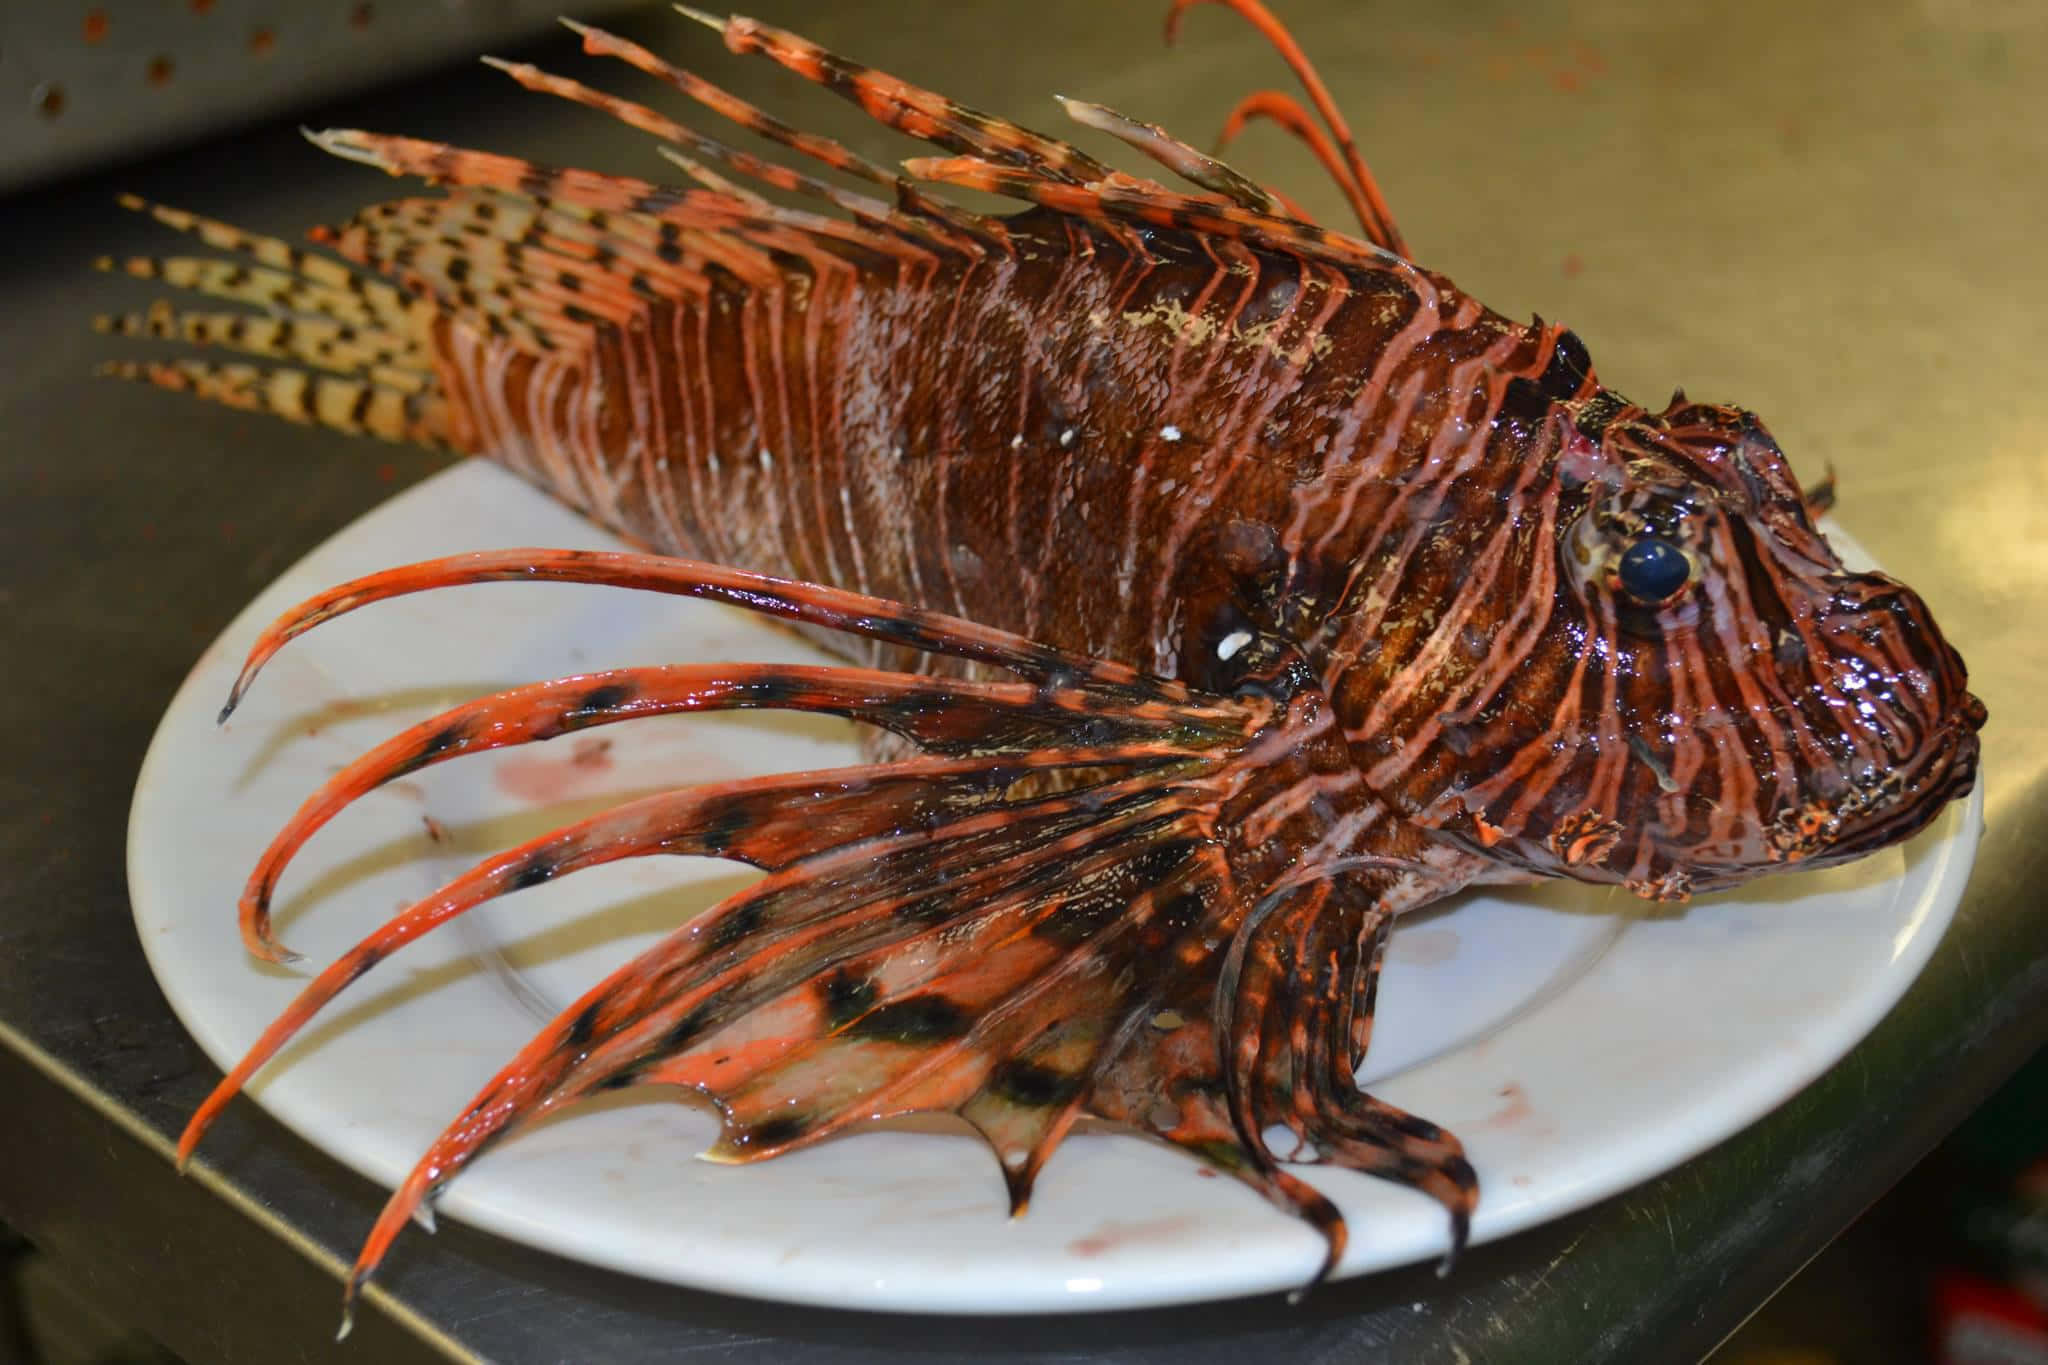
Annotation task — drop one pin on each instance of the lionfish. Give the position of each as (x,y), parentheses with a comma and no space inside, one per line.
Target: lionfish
(1217,586)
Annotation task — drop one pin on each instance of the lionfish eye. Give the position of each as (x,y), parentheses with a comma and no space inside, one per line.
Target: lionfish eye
(1652,569)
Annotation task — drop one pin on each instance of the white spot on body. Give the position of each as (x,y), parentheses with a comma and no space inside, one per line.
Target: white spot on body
(767,459)
(1169,433)
(967,565)
(1233,642)
(1067,439)
(1016,443)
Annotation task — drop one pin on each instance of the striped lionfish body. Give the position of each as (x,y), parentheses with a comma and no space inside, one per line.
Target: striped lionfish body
(1220,586)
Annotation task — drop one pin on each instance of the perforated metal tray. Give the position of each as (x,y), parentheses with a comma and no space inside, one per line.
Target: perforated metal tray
(83,85)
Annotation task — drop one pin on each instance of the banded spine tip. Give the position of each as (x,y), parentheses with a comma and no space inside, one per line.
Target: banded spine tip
(346,143)
(710,21)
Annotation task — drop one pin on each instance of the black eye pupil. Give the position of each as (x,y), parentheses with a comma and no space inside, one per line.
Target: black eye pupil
(1652,569)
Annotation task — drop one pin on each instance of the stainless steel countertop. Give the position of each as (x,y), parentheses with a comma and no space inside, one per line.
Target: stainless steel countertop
(1833,220)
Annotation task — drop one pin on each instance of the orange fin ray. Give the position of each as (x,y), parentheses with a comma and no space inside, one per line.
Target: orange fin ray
(600,195)
(863,208)
(856,815)
(940,716)
(924,212)
(1286,111)
(814,604)
(910,109)
(1352,176)
(870,982)
(1169,151)
(1118,201)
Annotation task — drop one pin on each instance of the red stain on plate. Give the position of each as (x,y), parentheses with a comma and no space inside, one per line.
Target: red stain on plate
(1113,1236)
(1517,1114)
(544,778)
(1516,1110)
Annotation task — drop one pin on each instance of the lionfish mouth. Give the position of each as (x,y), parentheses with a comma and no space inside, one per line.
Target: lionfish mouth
(1944,770)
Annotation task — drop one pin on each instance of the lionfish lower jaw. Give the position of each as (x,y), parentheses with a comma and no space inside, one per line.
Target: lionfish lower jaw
(1890,809)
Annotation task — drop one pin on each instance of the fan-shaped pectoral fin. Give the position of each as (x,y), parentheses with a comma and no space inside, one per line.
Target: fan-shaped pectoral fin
(1094,892)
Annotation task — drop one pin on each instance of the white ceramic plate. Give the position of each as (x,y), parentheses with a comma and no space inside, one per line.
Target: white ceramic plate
(1575,1044)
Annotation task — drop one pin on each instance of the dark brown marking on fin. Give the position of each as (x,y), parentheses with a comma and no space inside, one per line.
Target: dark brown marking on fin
(1026,1083)
(917,1022)
(846,997)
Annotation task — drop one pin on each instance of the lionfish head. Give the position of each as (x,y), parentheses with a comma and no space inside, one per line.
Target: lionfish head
(1769,705)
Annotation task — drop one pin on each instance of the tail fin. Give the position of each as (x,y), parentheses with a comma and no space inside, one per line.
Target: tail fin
(362,347)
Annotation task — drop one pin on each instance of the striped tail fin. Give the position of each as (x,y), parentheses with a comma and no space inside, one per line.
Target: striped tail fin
(361,350)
